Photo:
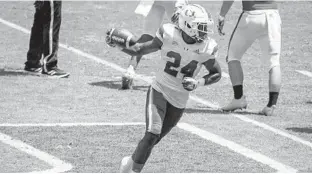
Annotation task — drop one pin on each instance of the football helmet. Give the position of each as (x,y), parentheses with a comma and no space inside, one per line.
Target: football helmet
(195,21)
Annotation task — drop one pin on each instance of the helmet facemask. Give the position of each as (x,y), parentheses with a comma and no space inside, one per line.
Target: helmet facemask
(195,22)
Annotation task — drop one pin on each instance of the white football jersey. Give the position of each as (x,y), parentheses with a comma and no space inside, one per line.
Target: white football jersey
(178,60)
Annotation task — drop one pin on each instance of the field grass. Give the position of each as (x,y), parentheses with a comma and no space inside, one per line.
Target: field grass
(92,95)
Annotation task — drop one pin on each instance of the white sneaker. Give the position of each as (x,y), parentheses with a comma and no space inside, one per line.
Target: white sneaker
(268,111)
(127,78)
(126,165)
(236,104)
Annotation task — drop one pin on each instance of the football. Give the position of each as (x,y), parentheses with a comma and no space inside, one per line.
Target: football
(120,37)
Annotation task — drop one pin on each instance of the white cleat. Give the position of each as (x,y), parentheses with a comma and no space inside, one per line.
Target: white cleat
(127,78)
(126,165)
(268,111)
(236,104)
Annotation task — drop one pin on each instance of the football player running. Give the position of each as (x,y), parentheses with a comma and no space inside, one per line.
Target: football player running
(153,20)
(185,47)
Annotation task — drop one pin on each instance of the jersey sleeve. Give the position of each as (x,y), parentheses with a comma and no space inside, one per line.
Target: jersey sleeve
(160,34)
(212,49)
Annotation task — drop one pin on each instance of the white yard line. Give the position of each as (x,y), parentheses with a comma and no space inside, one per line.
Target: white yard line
(281,168)
(69,124)
(57,164)
(306,73)
(148,80)
(259,124)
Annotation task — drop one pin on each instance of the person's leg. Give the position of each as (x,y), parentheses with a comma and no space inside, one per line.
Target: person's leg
(241,39)
(271,48)
(35,51)
(156,106)
(51,32)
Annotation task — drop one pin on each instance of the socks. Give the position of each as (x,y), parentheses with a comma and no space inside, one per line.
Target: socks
(238,91)
(273,96)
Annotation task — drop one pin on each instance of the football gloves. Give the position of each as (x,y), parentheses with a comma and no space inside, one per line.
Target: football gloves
(221,25)
(189,83)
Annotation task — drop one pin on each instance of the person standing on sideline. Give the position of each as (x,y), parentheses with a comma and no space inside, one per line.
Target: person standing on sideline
(44,39)
(258,20)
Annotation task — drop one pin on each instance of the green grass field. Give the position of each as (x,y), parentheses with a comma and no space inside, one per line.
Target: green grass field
(88,124)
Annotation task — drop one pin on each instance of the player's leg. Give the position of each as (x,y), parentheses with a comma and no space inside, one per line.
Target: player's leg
(271,48)
(173,116)
(35,52)
(51,40)
(152,22)
(241,39)
(155,113)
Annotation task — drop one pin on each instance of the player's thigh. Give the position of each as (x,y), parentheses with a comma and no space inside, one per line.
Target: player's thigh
(172,117)
(241,39)
(154,19)
(270,43)
(156,106)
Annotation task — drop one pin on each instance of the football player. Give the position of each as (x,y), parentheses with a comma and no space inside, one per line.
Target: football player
(185,47)
(259,20)
(153,20)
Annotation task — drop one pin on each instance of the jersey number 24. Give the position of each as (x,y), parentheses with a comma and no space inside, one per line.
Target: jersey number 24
(188,70)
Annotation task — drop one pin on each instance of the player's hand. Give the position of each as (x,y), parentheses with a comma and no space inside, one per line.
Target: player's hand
(38,4)
(108,38)
(220,25)
(189,83)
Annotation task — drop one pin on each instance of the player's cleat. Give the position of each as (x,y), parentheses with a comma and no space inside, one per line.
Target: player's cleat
(236,104)
(126,165)
(55,72)
(268,111)
(127,78)
(33,69)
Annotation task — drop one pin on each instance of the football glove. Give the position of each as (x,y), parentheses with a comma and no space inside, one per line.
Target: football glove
(189,83)
(221,25)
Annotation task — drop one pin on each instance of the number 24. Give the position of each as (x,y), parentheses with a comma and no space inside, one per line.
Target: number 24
(187,70)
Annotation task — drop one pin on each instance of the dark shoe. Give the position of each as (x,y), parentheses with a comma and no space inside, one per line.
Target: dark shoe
(55,72)
(33,69)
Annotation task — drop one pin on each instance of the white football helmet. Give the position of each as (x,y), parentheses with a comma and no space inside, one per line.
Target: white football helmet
(195,22)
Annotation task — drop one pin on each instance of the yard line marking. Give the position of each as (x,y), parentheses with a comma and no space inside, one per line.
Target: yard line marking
(142,77)
(57,164)
(184,126)
(259,124)
(272,129)
(281,168)
(307,73)
(69,124)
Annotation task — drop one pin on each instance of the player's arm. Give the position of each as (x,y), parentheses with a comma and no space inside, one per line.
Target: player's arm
(226,5)
(214,75)
(129,44)
(144,48)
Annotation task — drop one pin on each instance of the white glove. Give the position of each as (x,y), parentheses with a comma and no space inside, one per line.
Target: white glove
(189,83)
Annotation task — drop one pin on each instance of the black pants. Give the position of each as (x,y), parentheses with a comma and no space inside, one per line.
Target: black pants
(44,38)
